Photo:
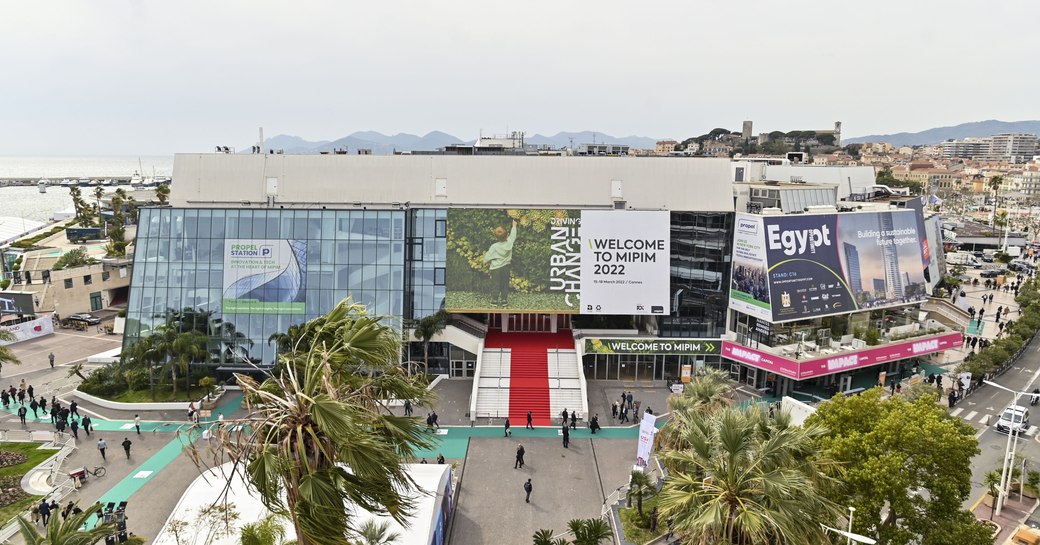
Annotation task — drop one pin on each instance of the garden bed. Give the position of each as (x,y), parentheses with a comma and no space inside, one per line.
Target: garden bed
(629,523)
(14,500)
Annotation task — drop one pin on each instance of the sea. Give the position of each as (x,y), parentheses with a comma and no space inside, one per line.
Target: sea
(27,201)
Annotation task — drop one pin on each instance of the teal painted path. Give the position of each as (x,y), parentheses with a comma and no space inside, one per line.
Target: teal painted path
(455,442)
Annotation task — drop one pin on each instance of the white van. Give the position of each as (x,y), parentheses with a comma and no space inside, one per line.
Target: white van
(1014,419)
(962,258)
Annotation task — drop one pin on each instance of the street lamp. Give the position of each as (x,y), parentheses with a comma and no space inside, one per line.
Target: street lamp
(1009,451)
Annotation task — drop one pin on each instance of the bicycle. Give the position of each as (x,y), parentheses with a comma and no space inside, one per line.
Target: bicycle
(98,471)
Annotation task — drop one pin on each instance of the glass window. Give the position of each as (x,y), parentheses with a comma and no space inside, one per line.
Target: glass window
(68,283)
(87,280)
(105,276)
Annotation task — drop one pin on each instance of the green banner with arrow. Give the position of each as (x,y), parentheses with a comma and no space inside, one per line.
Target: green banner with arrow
(689,347)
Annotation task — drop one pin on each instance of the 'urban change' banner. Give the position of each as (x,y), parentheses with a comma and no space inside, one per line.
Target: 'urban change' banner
(818,265)
(562,261)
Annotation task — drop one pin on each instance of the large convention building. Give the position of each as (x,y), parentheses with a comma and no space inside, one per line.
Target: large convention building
(551,270)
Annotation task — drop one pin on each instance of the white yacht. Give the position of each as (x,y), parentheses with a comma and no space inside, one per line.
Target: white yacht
(42,185)
(136,178)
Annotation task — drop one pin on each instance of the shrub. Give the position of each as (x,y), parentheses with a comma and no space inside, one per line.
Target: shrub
(136,378)
(5,283)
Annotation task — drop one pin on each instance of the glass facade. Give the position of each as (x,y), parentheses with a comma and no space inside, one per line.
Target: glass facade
(701,248)
(180,259)
(427,252)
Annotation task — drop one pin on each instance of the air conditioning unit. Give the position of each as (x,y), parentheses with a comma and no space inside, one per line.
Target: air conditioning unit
(620,205)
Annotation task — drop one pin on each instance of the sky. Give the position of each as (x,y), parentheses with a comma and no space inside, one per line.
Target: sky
(157,77)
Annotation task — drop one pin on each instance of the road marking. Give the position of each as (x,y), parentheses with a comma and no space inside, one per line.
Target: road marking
(984,418)
(971,415)
(957,411)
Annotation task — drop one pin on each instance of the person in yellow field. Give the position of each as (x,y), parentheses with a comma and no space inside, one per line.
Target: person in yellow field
(499,257)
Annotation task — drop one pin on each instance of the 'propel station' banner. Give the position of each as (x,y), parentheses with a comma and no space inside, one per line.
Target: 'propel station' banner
(818,265)
(570,261)
(264,276)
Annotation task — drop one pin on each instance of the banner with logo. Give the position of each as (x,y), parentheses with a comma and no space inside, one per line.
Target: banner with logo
(264,276)
(827,364)
(825,264)
(559,261)
(647,429)
(29,330)
(682,347)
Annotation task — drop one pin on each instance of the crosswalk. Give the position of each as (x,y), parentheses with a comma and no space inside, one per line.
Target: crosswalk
(985,419)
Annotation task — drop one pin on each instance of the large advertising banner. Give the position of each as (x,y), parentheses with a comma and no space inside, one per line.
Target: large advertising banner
(819,265)
(678,347)
(264,276)
(558,261)
(29,330)
(17,302)
(828,364)
(749,288)
(647,429)
(625,262)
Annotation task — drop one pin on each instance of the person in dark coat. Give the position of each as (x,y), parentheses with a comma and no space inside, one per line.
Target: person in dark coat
(566,436)
(45,512)
(407,408)
(21,414)
(126,446)
(594,424)
(527,488)
(75,429)
(565,415)
(574,420)
(519,464)
(506,430)
(86,425)
(530,421)
(29,391)
(35,407)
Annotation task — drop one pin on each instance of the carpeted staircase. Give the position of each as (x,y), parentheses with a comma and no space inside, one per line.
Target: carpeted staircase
(529,371)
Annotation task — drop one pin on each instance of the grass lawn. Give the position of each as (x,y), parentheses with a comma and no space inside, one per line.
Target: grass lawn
(34,456)
(161,395)
(634,533)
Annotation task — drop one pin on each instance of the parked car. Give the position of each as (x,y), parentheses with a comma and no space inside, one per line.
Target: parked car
(988,258)
(1014,419)
(90,319)
(992,273)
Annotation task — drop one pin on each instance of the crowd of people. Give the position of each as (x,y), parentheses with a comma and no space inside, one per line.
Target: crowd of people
(61,417)
(752,281)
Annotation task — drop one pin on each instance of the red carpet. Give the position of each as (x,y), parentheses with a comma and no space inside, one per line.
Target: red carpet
(529,371)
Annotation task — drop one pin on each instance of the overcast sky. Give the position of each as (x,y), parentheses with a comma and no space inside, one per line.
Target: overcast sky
(158,77)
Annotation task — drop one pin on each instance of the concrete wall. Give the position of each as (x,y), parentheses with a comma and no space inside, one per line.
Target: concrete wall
(77,298)
(649,183)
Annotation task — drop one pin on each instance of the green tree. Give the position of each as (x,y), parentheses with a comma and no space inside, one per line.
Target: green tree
(162,192)
(992,482)
(708,391)
(377,533)
(589,531)
(640,485)
(908,460)
(425,330)
(324,412)
(76,257)
(748,479)
(64,531)
(268,531)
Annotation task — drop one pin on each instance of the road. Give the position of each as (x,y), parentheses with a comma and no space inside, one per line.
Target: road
(982,409)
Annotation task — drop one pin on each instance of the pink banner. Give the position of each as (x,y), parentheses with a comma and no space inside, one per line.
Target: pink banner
(841,361)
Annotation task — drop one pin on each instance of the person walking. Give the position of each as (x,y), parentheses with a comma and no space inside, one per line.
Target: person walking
(74,408)
(29,391)
(566,436)
(21,396)
(50,357)
(530,421)
(527,488)
(86,425)
(565,415)
(21,414)
(613,411)
(519,464)
(43,404)
(75,429)
(433,416)
(507,432)
(45,512)
(126,446)
(574,420)
(35,407)
(407,408)
(594,423)
(137,423)
(630,399)
(101,446)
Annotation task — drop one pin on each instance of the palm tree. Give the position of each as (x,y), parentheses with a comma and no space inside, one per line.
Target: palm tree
(425,330)
(709,391)
(187,348)
(992,481)
(77,370)
(162,192)
(327,411)
(98,193)
(268,531)
(640,485)
(545,537)
(748,479)
(377,533)
(6,356)
(66,531)
(589,531)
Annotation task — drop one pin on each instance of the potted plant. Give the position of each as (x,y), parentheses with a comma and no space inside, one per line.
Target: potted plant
(208,384)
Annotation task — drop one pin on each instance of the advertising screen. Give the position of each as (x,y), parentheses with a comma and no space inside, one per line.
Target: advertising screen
(16,302)
(559,261)
(819,265)
(264,276)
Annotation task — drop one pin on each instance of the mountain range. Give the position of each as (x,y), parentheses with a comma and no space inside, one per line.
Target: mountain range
(956,132)
(382,144)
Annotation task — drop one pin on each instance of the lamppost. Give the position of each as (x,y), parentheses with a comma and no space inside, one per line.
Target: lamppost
(1009,451)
